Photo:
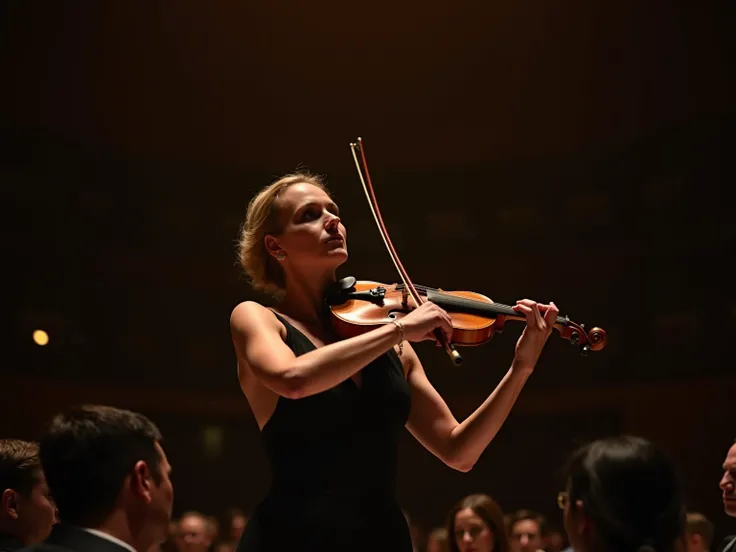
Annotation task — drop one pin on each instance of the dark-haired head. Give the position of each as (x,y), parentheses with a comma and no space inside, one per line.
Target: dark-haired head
(26,509)
(623,494)
(98,459)
(527,530)
(478,520)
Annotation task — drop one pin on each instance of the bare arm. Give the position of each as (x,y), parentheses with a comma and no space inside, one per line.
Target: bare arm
(460,445)
(257,340)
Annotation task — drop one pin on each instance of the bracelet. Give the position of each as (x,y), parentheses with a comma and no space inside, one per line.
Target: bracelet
(401,334)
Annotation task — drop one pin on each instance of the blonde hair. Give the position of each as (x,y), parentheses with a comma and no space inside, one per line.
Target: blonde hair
(262,218)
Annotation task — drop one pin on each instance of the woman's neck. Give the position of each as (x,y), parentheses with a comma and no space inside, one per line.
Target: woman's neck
(304,298)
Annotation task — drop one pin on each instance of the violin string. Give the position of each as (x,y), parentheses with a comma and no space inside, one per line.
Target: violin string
(454,300)
(499,308)
(462,301)
(417,286)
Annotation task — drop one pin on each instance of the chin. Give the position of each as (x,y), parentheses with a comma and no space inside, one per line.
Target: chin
(338,256)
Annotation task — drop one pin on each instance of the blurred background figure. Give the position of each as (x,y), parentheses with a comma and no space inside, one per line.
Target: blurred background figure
(728,488)
(234,523)
(27,512)
(554,540)
(195,532)
(437,540)
(476,524)
(699,533)
(527,530)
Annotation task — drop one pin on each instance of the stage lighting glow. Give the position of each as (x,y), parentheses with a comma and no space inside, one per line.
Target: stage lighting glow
(40,337)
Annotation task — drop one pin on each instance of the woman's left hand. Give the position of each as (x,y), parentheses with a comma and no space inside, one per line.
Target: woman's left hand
(540,320)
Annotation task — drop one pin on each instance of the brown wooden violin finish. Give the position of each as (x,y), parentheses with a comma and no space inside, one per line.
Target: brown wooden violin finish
(359,307)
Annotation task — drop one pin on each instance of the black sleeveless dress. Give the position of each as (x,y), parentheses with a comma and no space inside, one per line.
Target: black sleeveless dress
(333,458)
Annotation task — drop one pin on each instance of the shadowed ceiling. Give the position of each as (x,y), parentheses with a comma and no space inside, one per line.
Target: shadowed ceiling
(264,84)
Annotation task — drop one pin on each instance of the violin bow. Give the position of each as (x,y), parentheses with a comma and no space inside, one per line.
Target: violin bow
(373,203)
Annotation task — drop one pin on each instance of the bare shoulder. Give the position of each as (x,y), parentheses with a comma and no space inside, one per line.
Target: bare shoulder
(250,315)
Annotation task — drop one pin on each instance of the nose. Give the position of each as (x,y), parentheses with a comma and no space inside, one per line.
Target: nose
(727,483)
(332,221)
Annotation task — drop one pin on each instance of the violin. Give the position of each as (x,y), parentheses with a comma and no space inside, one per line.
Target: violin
(357,307)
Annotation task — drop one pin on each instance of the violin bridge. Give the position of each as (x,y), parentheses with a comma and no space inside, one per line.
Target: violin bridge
(405,297)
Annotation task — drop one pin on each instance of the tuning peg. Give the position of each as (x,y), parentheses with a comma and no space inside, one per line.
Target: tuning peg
(584,350)
(574,338)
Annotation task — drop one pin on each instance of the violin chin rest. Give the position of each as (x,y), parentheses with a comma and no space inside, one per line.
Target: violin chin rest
(346,284)
(335,293)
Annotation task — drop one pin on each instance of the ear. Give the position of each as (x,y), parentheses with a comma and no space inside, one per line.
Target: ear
(272,246)
(141,482)
(9,503)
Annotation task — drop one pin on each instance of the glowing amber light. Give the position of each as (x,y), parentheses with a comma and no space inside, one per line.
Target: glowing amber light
(40,337)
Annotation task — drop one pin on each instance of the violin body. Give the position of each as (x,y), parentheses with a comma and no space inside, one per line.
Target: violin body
(356,316)
(356,307)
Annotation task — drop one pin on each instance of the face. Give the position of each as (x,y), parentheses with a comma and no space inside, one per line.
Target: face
(694,543)
(236,527)
(161,499)
(471,532)
(36,512)
(193,534)
(526,536)
(728,482)
(312,235)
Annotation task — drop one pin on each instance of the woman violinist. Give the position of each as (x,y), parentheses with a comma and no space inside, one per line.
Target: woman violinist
(330,410)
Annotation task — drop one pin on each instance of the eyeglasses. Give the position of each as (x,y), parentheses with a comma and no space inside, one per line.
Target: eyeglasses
(562,499)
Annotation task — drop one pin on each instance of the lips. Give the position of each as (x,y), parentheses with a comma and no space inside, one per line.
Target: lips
(335,239)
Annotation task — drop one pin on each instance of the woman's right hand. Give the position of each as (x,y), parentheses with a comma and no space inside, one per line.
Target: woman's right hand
(419,324)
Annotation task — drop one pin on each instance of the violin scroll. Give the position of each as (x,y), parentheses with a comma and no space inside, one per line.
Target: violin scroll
(594,340)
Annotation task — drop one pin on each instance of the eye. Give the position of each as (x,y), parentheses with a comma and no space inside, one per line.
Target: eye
(310,214)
